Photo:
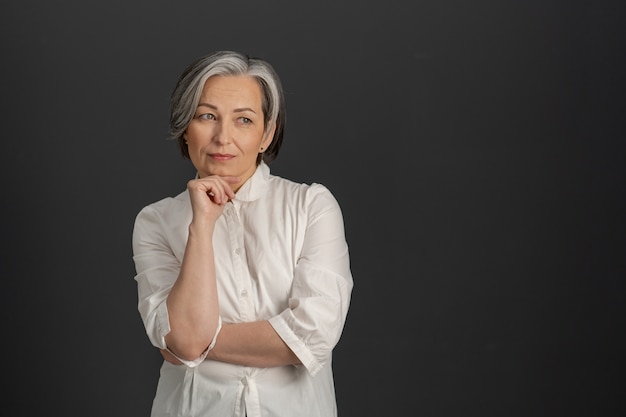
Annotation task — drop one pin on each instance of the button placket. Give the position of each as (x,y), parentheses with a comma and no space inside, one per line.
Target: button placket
(239,262)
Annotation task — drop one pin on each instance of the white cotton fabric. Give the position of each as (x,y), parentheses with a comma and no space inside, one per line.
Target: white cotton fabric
(281,255)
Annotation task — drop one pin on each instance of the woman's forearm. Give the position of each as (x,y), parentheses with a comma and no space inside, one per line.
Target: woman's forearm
(192,303)
(252,344)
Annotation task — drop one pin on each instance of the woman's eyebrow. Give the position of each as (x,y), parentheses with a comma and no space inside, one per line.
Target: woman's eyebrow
(238,110)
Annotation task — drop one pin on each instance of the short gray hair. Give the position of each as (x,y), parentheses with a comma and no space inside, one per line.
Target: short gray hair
(186,95)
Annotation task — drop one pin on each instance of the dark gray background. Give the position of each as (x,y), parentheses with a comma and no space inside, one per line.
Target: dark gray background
(477,149)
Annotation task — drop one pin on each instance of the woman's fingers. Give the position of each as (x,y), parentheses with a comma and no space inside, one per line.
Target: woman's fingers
(206,191)
(228,189)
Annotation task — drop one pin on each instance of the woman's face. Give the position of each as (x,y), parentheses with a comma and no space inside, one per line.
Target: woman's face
(227,130)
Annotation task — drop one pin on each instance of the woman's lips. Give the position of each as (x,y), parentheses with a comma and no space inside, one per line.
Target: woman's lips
(221,156)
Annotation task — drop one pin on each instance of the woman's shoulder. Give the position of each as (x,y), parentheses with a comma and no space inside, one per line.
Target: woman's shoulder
(279,182)
(302,193)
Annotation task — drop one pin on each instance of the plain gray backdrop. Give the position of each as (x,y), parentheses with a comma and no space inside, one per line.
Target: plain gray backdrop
(477,150)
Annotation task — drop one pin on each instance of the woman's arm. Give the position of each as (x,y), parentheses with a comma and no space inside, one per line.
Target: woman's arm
(192,303)
(248,344)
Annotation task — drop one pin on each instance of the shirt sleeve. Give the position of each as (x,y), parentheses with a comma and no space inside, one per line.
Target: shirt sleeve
(157,269)
(322,285)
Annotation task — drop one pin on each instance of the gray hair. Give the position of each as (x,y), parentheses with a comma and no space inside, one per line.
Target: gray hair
(186,95)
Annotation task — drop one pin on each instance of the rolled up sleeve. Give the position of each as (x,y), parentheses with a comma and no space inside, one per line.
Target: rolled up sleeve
(157,269)
(322,285)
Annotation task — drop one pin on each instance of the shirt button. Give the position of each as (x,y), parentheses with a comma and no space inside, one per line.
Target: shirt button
(244,293)
(238,251)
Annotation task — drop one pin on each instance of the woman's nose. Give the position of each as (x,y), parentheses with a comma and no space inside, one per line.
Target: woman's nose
(222,133)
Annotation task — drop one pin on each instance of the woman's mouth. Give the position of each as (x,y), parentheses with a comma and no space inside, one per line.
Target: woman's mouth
(221,156)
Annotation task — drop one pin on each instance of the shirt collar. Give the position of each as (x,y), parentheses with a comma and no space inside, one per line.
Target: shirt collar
(256,185)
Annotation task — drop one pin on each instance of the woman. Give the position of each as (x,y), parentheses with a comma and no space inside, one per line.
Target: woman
(243,279)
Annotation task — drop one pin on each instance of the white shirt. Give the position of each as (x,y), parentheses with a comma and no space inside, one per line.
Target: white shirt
(281,255)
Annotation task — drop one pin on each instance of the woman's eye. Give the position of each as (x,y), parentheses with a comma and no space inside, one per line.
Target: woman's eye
(206,116)
(245,120)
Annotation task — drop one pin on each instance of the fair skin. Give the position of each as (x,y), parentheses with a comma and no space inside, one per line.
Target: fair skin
(224,138)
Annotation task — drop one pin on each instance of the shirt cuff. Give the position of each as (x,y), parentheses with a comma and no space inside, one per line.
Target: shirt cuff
(297,346)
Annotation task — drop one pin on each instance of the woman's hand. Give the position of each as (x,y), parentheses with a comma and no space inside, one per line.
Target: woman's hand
(209,195)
